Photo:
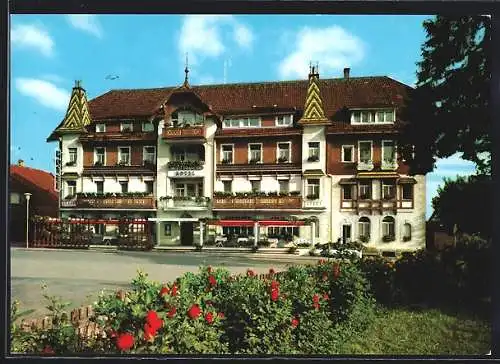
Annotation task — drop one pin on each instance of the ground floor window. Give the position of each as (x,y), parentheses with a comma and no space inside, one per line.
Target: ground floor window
(364,229)
(388,228)
(238,230)
(279,231)
(167,229)
(406,232)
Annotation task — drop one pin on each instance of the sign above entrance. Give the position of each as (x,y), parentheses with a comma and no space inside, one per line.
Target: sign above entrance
(181,173)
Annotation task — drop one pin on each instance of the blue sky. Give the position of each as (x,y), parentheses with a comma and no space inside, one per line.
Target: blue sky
(49,52)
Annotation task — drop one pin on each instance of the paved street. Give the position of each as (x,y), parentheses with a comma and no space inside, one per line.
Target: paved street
(78,276)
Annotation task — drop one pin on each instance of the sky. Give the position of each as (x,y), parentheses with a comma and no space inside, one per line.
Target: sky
(50,52)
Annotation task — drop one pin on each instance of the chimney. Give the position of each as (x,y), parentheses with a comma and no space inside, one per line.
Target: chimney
(20,163)
(346,72)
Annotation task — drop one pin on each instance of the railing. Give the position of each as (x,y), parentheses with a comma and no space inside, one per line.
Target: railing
(365,165)
(389,165)
(115,202)
(68,203)
(116,136)
(380,205)
(268,202)
(187,204)
(196,132)
(313,203)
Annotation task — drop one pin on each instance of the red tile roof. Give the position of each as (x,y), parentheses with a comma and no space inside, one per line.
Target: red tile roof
(39,179)
(232,98)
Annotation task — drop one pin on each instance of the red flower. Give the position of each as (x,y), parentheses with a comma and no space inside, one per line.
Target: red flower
(221,315)
(209,317)
(194,311)
(174,290)
(212,280)
(315,298)
(164,291)
(275,284)
(172,312)
(325,297)
(321,261)
(149,333)
(316,305)
(271,271)
(295,322)
(250,273)
(48,350)
(153,320)
(275,295)
(125,342)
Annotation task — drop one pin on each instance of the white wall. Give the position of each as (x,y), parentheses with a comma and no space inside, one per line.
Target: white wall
(268,184)
(112,185)
(314,134)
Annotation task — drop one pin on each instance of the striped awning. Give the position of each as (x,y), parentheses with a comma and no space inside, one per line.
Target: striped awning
(348,181)
(407,180)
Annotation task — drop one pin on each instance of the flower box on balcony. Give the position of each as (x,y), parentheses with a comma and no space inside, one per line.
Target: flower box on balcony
(185,165)
(123,164)
(391,165)
(126,130)
(312,197)
(254,161)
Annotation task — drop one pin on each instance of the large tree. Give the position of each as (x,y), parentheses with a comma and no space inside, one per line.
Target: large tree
(448,110)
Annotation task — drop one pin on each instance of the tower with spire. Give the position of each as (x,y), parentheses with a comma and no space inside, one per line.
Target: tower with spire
(314,113)
(77,115)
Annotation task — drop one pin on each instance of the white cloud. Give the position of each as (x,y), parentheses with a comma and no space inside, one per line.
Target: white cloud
(32,36)
(203,36)
(44,92)
(333,48)
(52,77)
(86,22)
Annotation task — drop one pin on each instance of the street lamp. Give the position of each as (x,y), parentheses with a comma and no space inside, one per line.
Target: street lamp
(28,196)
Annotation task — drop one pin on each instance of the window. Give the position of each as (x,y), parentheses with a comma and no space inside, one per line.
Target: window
(313,151)
(228,186)
(255,185)
(126,126)
(388,227)
(15,198)
(124,155)
(388,151)
(71,188)
(250,122)
(148,126)
(124,186)
(255,153)
(284,186)
(100,128)
(72,155)
(365,189)
(99,156)
(180,189)
(313,188)
(385,116)
(372,116)
(347,192)
(167,229)
(364,229)
(365,152)
(348,153)
(277,232)
(406,232)
(388,190)
(407,190)
(149,187)
(227,153)
(237,230)
(99,186)
(149,154)
(283,152)
(284,120)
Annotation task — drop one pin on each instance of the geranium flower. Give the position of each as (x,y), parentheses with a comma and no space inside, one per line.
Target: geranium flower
(295,322)
(211,280)
(221,315)
(194,311)
(275,284)
(174,290)
(209,317)
(316,305)
(153,320)
(321,261)
(250,273)
(125,341)
(149,333)
(48,350)
(275,294)
(172,312)
(325,297)
(315,298)
(164,291)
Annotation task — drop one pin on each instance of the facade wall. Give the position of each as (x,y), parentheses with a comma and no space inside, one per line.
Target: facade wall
(112,184)
(268,184)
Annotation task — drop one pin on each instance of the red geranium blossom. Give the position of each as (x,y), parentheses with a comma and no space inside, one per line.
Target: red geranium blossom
(153,320)
(209,317)
(212,280)
(48,350)
(321,261)
(221,315)
(315,298)
(194,311)
(172,312)
(295,322)
(164,291)
(275,295)
(174,290)
(250,273)
(125,342)
(316,305)
(149,332)
(325,297)
(275,284)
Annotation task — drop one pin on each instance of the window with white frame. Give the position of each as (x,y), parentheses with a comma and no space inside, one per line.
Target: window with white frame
(188,189)
(365,151)
(388,189)
(388,151)
(99,155)
(71,188)
(228,186)
(148,187)
(243,122)
(284,185)
(364,228)
(313,188)
(124,155)
(388,227)
(148,126)
(348,153)
(126,126)
(365,190)
(72,153)
(99,185)
(227,153)
(284,152)
(347,192)
(255,153)
(100,128)
(372,116)
(407,191)
(313,151)
(255,185)
(149,154)
(284,120)
(406,231)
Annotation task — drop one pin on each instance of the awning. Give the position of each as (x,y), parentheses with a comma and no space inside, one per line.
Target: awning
(362,175)
(70,175)
(347,181)
(233,222)
(407,180)
(174,219)
(313,172)
(280,223)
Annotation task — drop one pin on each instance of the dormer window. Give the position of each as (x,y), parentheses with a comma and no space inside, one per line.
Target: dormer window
(148,126)
(100,128)
(284,120)
(186,117)
(249,122)
(126,126)
(372,116)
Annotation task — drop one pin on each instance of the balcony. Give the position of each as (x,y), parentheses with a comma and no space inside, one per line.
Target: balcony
(259,168)
(184,134)
(186,168)
(389,165)
(257,202)
(313,203)
(106,201)
(365,165)
(375,205)
(184,203)
(146,168)
(115,136)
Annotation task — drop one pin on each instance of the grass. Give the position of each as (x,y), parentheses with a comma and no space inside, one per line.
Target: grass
(428,332)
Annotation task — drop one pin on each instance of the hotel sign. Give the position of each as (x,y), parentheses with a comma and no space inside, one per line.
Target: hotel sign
(182,173)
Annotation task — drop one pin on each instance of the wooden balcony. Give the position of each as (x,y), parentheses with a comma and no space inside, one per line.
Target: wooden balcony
(191,133)
(118,137)
(258,168)
(372,206)
(146,169)
(258,203)
(110,202)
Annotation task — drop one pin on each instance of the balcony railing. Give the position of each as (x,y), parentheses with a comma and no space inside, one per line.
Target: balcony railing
(365,165)
(185,203)
(116,136)
(186,132)
(389,165)
(309,203)
(122,202)
(264,202)
(186,165)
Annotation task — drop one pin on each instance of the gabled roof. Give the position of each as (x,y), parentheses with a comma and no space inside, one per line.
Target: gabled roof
(37,178)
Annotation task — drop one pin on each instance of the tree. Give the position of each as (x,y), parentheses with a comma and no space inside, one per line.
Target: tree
(465,202)
(448,110)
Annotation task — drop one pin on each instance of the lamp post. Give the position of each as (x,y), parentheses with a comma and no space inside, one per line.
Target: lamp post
(28,196)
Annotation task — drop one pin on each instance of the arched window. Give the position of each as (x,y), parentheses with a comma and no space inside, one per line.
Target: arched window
(388,228)
(406,232)
(364,229)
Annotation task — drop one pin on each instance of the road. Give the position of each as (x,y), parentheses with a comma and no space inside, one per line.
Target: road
(79,276)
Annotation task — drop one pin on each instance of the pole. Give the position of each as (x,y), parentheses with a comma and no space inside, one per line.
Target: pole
(27,195)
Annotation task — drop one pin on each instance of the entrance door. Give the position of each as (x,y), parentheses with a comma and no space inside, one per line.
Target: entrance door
(187,233)
(346,233)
